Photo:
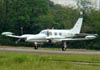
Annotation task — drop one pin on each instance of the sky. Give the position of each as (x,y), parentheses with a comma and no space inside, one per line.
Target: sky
(73,3)
(65,2)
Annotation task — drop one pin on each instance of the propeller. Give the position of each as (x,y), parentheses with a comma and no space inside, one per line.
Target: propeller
(21,28)
(18,41)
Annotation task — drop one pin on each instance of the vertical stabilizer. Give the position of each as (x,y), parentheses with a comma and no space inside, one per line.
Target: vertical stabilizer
(77,27)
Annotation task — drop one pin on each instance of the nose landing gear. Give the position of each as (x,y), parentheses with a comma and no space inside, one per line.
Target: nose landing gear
(35,46)
(64,47)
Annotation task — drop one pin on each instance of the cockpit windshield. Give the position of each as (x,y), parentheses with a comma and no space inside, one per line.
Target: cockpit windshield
(46,33)
(43,32)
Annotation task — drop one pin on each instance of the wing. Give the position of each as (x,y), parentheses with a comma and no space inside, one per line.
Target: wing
(10,34)
(14,36)
(73,39)
(89,37)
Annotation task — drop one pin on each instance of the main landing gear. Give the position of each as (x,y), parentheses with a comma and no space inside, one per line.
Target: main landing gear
(64,47)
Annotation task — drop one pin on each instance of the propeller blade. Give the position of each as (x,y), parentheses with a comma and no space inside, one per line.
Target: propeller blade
(18,41)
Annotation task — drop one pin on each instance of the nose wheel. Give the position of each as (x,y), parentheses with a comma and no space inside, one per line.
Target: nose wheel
(35,46)
(64,47)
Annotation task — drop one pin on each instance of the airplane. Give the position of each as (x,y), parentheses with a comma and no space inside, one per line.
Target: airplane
(62,36)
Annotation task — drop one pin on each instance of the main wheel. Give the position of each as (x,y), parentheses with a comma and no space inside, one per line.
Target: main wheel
(35,47)
(63,48)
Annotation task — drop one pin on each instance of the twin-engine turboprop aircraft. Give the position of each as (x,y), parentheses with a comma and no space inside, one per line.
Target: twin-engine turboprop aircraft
(55,35)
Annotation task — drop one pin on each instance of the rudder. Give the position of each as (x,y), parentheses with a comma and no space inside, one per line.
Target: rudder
(77,27)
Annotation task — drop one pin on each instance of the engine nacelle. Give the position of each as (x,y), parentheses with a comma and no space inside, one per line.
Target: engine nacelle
(90,37)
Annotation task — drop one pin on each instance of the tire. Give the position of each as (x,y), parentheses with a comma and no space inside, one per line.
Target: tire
(63,48)
(35,47)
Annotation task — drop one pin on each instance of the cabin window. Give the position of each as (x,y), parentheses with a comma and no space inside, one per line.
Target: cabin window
(47,33)
(55,33)
(60,33)
(50,33)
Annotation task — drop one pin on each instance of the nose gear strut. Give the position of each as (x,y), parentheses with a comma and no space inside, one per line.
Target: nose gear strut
(64,47)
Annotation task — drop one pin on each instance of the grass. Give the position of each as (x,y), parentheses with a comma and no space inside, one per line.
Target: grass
(36,61)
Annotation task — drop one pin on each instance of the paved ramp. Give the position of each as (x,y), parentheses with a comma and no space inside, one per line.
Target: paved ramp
(47,51)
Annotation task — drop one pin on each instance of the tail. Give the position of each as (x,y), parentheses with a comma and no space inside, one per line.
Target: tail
(77,27)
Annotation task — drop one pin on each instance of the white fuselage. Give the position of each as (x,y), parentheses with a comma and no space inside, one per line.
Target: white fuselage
(54,35)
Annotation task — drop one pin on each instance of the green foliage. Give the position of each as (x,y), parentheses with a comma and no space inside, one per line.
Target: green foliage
(21,59)
(30,61)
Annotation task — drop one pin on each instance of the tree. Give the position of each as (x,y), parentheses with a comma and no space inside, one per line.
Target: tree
(84,5)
